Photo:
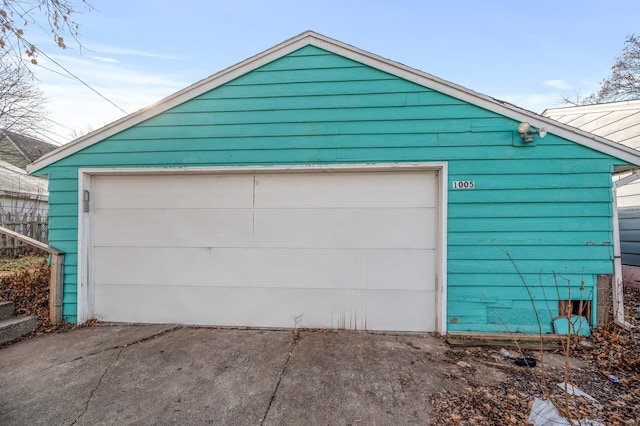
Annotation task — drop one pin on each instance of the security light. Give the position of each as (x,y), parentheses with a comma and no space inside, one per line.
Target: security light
(525,132)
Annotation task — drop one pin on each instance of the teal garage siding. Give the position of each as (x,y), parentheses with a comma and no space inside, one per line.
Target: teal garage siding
(546,205)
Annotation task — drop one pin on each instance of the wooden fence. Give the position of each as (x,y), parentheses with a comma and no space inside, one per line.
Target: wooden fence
(30,225)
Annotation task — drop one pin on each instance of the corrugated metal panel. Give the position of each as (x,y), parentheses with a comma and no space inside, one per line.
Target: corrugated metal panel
(615,120)
(547,204)
(17,182)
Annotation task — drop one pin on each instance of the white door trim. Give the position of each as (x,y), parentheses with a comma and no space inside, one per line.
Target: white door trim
(85,183)
(85,298)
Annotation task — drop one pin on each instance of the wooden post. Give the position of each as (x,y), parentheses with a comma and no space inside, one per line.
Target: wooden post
(57,272)
(55,287)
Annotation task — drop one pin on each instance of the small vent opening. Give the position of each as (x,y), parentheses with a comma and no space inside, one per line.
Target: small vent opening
(575,308)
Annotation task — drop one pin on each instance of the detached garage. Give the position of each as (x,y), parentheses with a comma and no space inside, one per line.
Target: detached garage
(318,185)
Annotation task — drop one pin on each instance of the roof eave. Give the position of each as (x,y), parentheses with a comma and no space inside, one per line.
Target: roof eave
(351,52)
(173,100)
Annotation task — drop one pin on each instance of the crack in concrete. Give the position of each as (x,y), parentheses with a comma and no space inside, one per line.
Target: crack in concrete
(95,389)
(294,343)
(104,373)
(124,345)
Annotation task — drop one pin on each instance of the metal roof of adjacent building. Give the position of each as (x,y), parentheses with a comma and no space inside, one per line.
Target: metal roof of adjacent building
(16,182)
(616,121)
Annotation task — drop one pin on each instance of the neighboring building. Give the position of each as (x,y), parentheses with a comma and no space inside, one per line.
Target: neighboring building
(619,122)
(22,194)
(23,207)
(21,150)
(616,121)
(319,185)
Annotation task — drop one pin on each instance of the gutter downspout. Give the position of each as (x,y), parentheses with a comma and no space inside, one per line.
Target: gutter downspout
(618,287)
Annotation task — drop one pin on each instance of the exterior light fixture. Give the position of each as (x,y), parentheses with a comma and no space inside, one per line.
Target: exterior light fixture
(524,129)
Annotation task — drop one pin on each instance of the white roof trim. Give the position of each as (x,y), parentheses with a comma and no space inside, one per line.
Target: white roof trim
(311,38)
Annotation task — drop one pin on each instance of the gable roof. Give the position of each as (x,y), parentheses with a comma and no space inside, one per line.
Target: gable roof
(29,147)
(616,121)
(314,39)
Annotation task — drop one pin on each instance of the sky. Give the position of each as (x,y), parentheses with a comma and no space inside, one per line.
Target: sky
(137,52)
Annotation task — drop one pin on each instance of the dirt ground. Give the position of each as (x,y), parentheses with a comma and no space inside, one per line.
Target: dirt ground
(495,390)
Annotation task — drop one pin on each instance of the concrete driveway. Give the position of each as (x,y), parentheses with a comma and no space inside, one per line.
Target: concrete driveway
(159,374)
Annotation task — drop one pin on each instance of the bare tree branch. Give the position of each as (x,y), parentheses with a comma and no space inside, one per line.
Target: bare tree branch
(623,83)
(575,100)
(77,132)
(17,15)
(21,101)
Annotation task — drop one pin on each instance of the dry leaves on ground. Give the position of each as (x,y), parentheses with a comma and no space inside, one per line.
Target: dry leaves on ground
(25,281)
(611,376)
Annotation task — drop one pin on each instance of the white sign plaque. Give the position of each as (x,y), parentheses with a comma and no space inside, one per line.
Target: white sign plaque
(464,184)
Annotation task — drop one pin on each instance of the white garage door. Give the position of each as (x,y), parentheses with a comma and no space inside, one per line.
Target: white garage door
(337,250)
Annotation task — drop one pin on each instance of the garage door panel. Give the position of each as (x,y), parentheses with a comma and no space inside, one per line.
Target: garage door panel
(304,228)
(278,268)
(267,307)
(315,308)
(175,191)
(173,304)
(224,267)
(346,190)
(401,310)
(400,269)
(174,227)
(349,228)
(338,250)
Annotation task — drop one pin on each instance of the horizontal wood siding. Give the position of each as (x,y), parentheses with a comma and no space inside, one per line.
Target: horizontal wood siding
(629,195)
(547,205)
(63,232)
(629,219)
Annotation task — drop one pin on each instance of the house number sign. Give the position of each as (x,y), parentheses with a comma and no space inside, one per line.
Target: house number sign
(464,184)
